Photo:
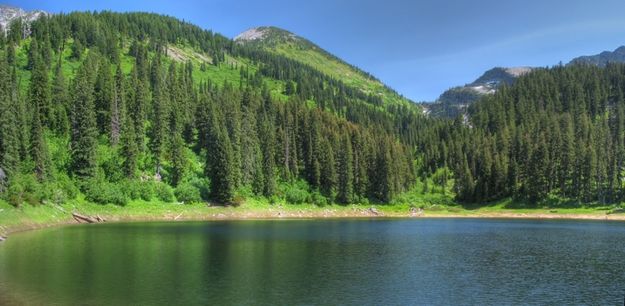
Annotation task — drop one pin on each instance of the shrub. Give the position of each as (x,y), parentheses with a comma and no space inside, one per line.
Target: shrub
(164,193)
(318,199)
(101,192)
(188,193)
(296,193)
(147,190)
(23,189)
(237,201)
(131,189)
(296,196)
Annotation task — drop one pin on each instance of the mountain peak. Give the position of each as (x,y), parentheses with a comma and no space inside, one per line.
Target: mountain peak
(267,34)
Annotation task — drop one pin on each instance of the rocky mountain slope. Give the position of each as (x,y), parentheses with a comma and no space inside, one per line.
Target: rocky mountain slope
(455,101)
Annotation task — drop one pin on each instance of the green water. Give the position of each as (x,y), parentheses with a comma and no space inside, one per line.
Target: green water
(329,262)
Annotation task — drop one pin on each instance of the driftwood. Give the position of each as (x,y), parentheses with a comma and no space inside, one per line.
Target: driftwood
(374,211)
(87,219)
(3,238)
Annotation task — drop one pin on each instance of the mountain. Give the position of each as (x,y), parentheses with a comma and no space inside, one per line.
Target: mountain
(290,45)
(10,13)
(455,101)
(601,59)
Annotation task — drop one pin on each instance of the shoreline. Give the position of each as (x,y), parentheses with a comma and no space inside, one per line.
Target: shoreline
(210,213)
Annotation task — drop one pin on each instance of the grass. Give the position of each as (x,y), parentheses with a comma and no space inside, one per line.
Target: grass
(339,71)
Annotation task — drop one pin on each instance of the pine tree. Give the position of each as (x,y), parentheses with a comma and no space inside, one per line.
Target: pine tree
(219,164)
(178,159)
(138,113)
(60,102)
(9,135)
(104,96)
(158,131)
(33,54)
(83,129)
(117,106)
(39,91)
(129,150)
(268,148)
(346,172)
(38,148)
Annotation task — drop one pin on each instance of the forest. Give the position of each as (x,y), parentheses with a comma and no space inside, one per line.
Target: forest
(93,106)
(154,131)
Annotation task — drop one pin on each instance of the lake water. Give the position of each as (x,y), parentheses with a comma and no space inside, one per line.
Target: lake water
(329,262)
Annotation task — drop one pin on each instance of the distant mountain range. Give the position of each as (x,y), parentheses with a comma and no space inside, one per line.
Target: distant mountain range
(10,13)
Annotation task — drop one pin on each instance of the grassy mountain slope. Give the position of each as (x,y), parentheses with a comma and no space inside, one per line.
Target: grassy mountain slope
(285,43)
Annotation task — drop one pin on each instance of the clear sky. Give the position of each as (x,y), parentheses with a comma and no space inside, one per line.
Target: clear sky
(420,48)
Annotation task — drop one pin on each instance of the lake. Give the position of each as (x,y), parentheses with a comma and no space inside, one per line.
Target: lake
(311,262)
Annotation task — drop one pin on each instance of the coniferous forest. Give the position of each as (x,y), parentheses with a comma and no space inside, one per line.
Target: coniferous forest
(93,105)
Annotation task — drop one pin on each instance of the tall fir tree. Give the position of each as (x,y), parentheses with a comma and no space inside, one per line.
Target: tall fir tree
(84,131)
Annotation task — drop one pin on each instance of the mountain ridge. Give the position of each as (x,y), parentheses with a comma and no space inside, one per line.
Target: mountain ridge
(603,58)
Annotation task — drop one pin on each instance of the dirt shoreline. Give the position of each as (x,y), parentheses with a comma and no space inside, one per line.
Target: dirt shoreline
(278,214)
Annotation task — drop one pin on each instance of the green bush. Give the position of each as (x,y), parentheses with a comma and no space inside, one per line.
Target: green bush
(296,193)
(131,189)
(188,193)
(23,189)
(101,192)
(296,196)
(147,190)
(135,190)
(164,193)
(318,199)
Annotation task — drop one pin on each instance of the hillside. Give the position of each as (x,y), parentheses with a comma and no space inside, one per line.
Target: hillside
(456,100)
(116,107)
(285,43)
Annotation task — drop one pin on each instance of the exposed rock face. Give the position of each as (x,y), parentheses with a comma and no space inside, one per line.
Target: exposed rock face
(10,13)
(252,34)
(264,33)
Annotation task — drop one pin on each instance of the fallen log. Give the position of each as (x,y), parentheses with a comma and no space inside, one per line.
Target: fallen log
(86,219)
(3,238)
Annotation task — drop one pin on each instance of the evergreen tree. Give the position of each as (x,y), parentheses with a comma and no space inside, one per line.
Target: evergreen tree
(9,135)
(219,163)
(38,148)
(346,172)
(268,148)
(83,118)
(39,91)
(60,102)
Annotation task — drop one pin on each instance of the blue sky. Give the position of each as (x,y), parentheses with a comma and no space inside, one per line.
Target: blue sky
(420,48)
